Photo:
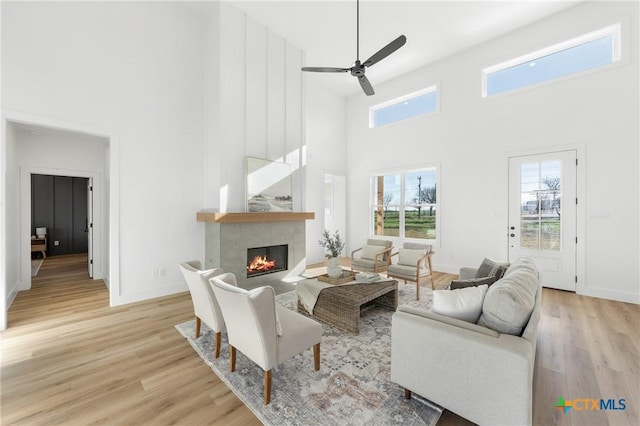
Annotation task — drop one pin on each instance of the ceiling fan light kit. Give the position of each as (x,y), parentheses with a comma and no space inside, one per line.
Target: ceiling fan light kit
(359,68)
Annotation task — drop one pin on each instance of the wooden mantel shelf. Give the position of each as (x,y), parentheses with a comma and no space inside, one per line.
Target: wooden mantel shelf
(209,216)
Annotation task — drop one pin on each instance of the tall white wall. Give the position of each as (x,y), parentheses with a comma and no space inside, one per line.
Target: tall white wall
(259,104)
(11,224)
(183,94)
(326,148)
(472,138)
(136,69)
(266,110)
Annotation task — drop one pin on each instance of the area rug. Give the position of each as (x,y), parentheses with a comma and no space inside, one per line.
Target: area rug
(353,386)
(35,266)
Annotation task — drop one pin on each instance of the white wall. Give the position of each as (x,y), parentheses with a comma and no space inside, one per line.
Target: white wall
(325,129)
(183,98)
(136,69)
(11,224)
(472,137)
(266,110)
(260,105)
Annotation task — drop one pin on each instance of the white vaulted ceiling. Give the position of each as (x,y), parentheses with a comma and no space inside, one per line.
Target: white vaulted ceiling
(326,30)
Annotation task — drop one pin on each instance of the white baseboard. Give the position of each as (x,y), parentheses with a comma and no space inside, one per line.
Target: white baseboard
(446,269)
(125,299)
(11,295)
(619,296)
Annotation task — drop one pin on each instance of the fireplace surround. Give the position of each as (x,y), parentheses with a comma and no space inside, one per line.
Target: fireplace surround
(229,236)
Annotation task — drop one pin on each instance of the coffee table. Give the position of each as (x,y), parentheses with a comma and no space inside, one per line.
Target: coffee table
(340,305)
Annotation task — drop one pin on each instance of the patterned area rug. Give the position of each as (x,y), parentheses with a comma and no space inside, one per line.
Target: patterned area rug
(352,387)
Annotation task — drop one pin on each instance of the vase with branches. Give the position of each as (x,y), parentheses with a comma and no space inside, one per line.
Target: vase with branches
(333,246)
(331,243)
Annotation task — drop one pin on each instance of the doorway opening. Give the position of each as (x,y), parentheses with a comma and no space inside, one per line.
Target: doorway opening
(61,217)
(42,146)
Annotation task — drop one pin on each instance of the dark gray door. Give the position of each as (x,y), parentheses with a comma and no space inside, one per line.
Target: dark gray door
(59,203)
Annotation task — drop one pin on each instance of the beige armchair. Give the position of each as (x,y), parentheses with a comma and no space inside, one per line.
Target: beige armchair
(414,264)
(205,305)
(267,334)
(374,256)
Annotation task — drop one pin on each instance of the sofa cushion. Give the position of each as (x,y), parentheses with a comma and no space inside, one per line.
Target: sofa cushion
(369,252)
(491,268)
(409,272)
(463,303)
(410,257)
(523,263)
(509,302)
(367,265)
(473,282)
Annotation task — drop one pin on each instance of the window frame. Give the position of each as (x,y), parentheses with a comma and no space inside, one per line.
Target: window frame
(403,204)
(434,88)
(615,31)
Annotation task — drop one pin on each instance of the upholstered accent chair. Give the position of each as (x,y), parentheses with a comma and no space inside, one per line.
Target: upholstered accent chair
(414,264)
(267,334)
(374,256)
(205,305)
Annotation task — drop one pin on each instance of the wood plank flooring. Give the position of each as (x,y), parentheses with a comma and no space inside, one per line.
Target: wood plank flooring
(67,358)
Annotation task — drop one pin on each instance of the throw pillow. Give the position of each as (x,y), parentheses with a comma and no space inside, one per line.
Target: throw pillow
(464,303)
(509,302)
(410,257)
(473,282)
(491,268)
(369,252)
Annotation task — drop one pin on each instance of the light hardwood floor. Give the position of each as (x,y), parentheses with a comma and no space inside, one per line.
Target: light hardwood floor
(67,358)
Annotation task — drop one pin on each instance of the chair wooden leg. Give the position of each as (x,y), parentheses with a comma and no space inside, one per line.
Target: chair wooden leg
(418,290)
(407,394)
(218,339)
(197,327)
(232,358)
(267,387)
(316,356)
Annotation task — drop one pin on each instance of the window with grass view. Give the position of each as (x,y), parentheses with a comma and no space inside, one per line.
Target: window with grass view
(582,53)
(541,194)
(405,204)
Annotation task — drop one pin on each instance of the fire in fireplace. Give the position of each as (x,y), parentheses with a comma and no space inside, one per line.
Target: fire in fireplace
(266,260)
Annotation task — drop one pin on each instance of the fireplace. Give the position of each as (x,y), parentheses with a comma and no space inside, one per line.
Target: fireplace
(266,260)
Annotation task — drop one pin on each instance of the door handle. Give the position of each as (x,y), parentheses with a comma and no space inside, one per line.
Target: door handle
(513,235)
(512,228)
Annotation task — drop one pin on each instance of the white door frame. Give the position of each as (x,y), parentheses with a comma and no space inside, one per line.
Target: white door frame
(581,191)
(90,220)
(25,217)
(111,275)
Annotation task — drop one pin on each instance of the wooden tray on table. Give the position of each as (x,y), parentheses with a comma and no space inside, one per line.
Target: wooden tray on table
(345,278)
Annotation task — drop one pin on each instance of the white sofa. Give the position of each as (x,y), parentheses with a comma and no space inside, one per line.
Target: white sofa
(474,371)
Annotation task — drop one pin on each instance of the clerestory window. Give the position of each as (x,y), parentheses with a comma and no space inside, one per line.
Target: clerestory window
(418,103)
(589,51)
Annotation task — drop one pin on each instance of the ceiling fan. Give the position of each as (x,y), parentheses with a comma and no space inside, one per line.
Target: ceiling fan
(358,69)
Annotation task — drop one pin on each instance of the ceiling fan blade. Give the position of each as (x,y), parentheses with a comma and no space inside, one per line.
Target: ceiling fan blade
(325,69)
(386,51)
(366,86)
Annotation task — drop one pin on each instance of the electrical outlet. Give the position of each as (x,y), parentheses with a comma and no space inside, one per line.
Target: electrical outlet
(163,272)
(56,243)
